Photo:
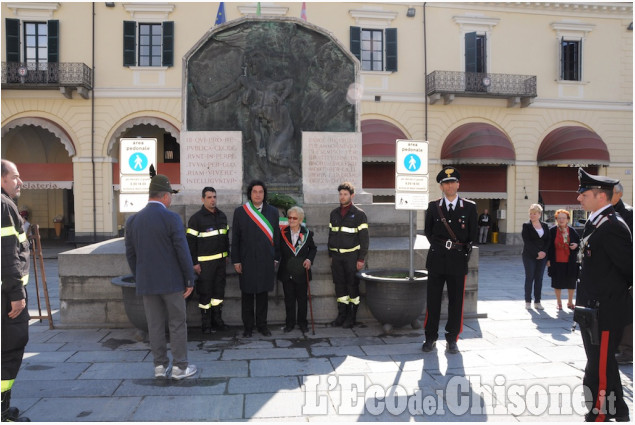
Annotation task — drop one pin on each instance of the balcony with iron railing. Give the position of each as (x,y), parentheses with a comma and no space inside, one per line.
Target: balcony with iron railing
(66,77)
(517,89)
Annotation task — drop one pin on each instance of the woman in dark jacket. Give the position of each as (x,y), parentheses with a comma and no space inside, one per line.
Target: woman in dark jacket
(562,259)
(298,252)
(536,246)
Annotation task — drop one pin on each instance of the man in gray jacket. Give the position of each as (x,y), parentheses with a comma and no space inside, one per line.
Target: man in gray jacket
(160,260)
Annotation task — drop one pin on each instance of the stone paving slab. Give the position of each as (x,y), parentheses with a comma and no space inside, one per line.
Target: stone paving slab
(69,388)
(263,385)
(82,409)
(289,367)
(223,369)
(170,387)
(267,353)
(207,408)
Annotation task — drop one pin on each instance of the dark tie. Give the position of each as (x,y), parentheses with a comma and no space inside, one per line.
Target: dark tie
(588,228)
(450,209)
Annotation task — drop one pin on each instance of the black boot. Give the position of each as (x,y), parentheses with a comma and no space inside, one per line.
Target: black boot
(11,414)
(341,314)
(206,321)
(351,317)
(217,318)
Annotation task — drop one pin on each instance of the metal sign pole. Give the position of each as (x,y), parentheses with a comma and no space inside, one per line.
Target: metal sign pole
(412,246)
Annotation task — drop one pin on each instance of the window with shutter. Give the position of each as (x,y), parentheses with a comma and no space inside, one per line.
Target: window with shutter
(129,43)
(53,41)
(570,60)
(168,43)
(12,32)
(376,49)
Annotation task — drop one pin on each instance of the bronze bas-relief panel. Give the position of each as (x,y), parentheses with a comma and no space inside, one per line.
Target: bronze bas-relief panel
(271,80)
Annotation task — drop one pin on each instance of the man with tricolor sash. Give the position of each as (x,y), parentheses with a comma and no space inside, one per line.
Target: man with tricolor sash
(255,254)
(15,275)
(208,239)
(348,246)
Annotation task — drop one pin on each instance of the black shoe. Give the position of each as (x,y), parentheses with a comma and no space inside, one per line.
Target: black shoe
(288,329)
(13,415)
(304,329)
(247,333)
(451,347)
(428,346)
(622,358)
(264,331)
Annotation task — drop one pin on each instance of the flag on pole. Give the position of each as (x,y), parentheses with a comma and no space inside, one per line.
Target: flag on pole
(303,13)
(220,16)
(258,9)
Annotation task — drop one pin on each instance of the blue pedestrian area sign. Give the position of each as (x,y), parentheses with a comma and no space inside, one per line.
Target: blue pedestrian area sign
(411,175)
(136,155)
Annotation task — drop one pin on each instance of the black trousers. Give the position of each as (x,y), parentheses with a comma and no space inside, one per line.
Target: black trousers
(262,305)
(456,290)
(15,336)
(211,282)
(602,377)
(295,293)
(344,267)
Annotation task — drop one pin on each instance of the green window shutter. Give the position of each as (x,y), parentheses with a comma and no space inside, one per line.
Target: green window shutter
(470,52)
(13,39)
(168,43)
(356,42)
(53,40)
(129,43)
(391,49)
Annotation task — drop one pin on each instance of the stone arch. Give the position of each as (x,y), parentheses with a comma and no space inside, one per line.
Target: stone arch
(46,124)
(149,120)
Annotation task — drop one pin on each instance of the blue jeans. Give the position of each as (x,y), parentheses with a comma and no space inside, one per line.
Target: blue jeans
(534,271)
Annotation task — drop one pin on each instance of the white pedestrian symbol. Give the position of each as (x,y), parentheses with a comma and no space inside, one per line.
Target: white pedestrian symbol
(412,164)
(137,162)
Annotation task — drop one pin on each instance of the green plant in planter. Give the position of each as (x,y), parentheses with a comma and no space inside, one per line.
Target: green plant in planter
(281,201)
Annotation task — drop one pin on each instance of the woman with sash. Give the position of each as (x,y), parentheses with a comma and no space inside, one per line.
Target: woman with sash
(298,252)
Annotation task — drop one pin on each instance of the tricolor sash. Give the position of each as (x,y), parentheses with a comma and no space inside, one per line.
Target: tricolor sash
(260,220)
(302,238)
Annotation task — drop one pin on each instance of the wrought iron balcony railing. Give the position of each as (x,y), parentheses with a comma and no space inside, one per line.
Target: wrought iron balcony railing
(46,75)
(447,84)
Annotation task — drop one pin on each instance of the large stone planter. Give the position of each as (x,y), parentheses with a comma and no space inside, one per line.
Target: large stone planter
(132,303)
(393,300)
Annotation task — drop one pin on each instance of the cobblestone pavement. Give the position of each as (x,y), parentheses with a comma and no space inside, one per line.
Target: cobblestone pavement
(515,365)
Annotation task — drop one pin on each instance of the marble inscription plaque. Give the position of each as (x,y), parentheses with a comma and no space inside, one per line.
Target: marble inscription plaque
(330,158)
(211,158)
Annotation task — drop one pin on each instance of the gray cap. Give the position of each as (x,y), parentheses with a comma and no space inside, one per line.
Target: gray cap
(160,183)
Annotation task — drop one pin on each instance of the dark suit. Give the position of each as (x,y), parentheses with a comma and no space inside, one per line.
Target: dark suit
(293,276)
(447,263)
(158,255)
(606,273)
(626,211)
(252,248)
(534,268)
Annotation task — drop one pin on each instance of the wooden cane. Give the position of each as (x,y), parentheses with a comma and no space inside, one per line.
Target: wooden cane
(308,286)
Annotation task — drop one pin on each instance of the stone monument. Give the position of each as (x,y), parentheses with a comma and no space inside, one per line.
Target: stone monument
(253,89)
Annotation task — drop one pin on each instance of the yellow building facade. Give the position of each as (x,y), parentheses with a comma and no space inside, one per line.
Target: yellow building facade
(516,96)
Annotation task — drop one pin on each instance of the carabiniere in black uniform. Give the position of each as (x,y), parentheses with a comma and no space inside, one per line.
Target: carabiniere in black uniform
(606,273)
(447,261)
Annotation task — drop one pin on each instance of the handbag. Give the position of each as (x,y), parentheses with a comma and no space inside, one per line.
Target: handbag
(588,319)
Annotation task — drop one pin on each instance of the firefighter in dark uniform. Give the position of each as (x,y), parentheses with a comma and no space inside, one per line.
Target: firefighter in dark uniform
(15,275)
(348,246)
(207,237)
(606,273)
(451,226)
